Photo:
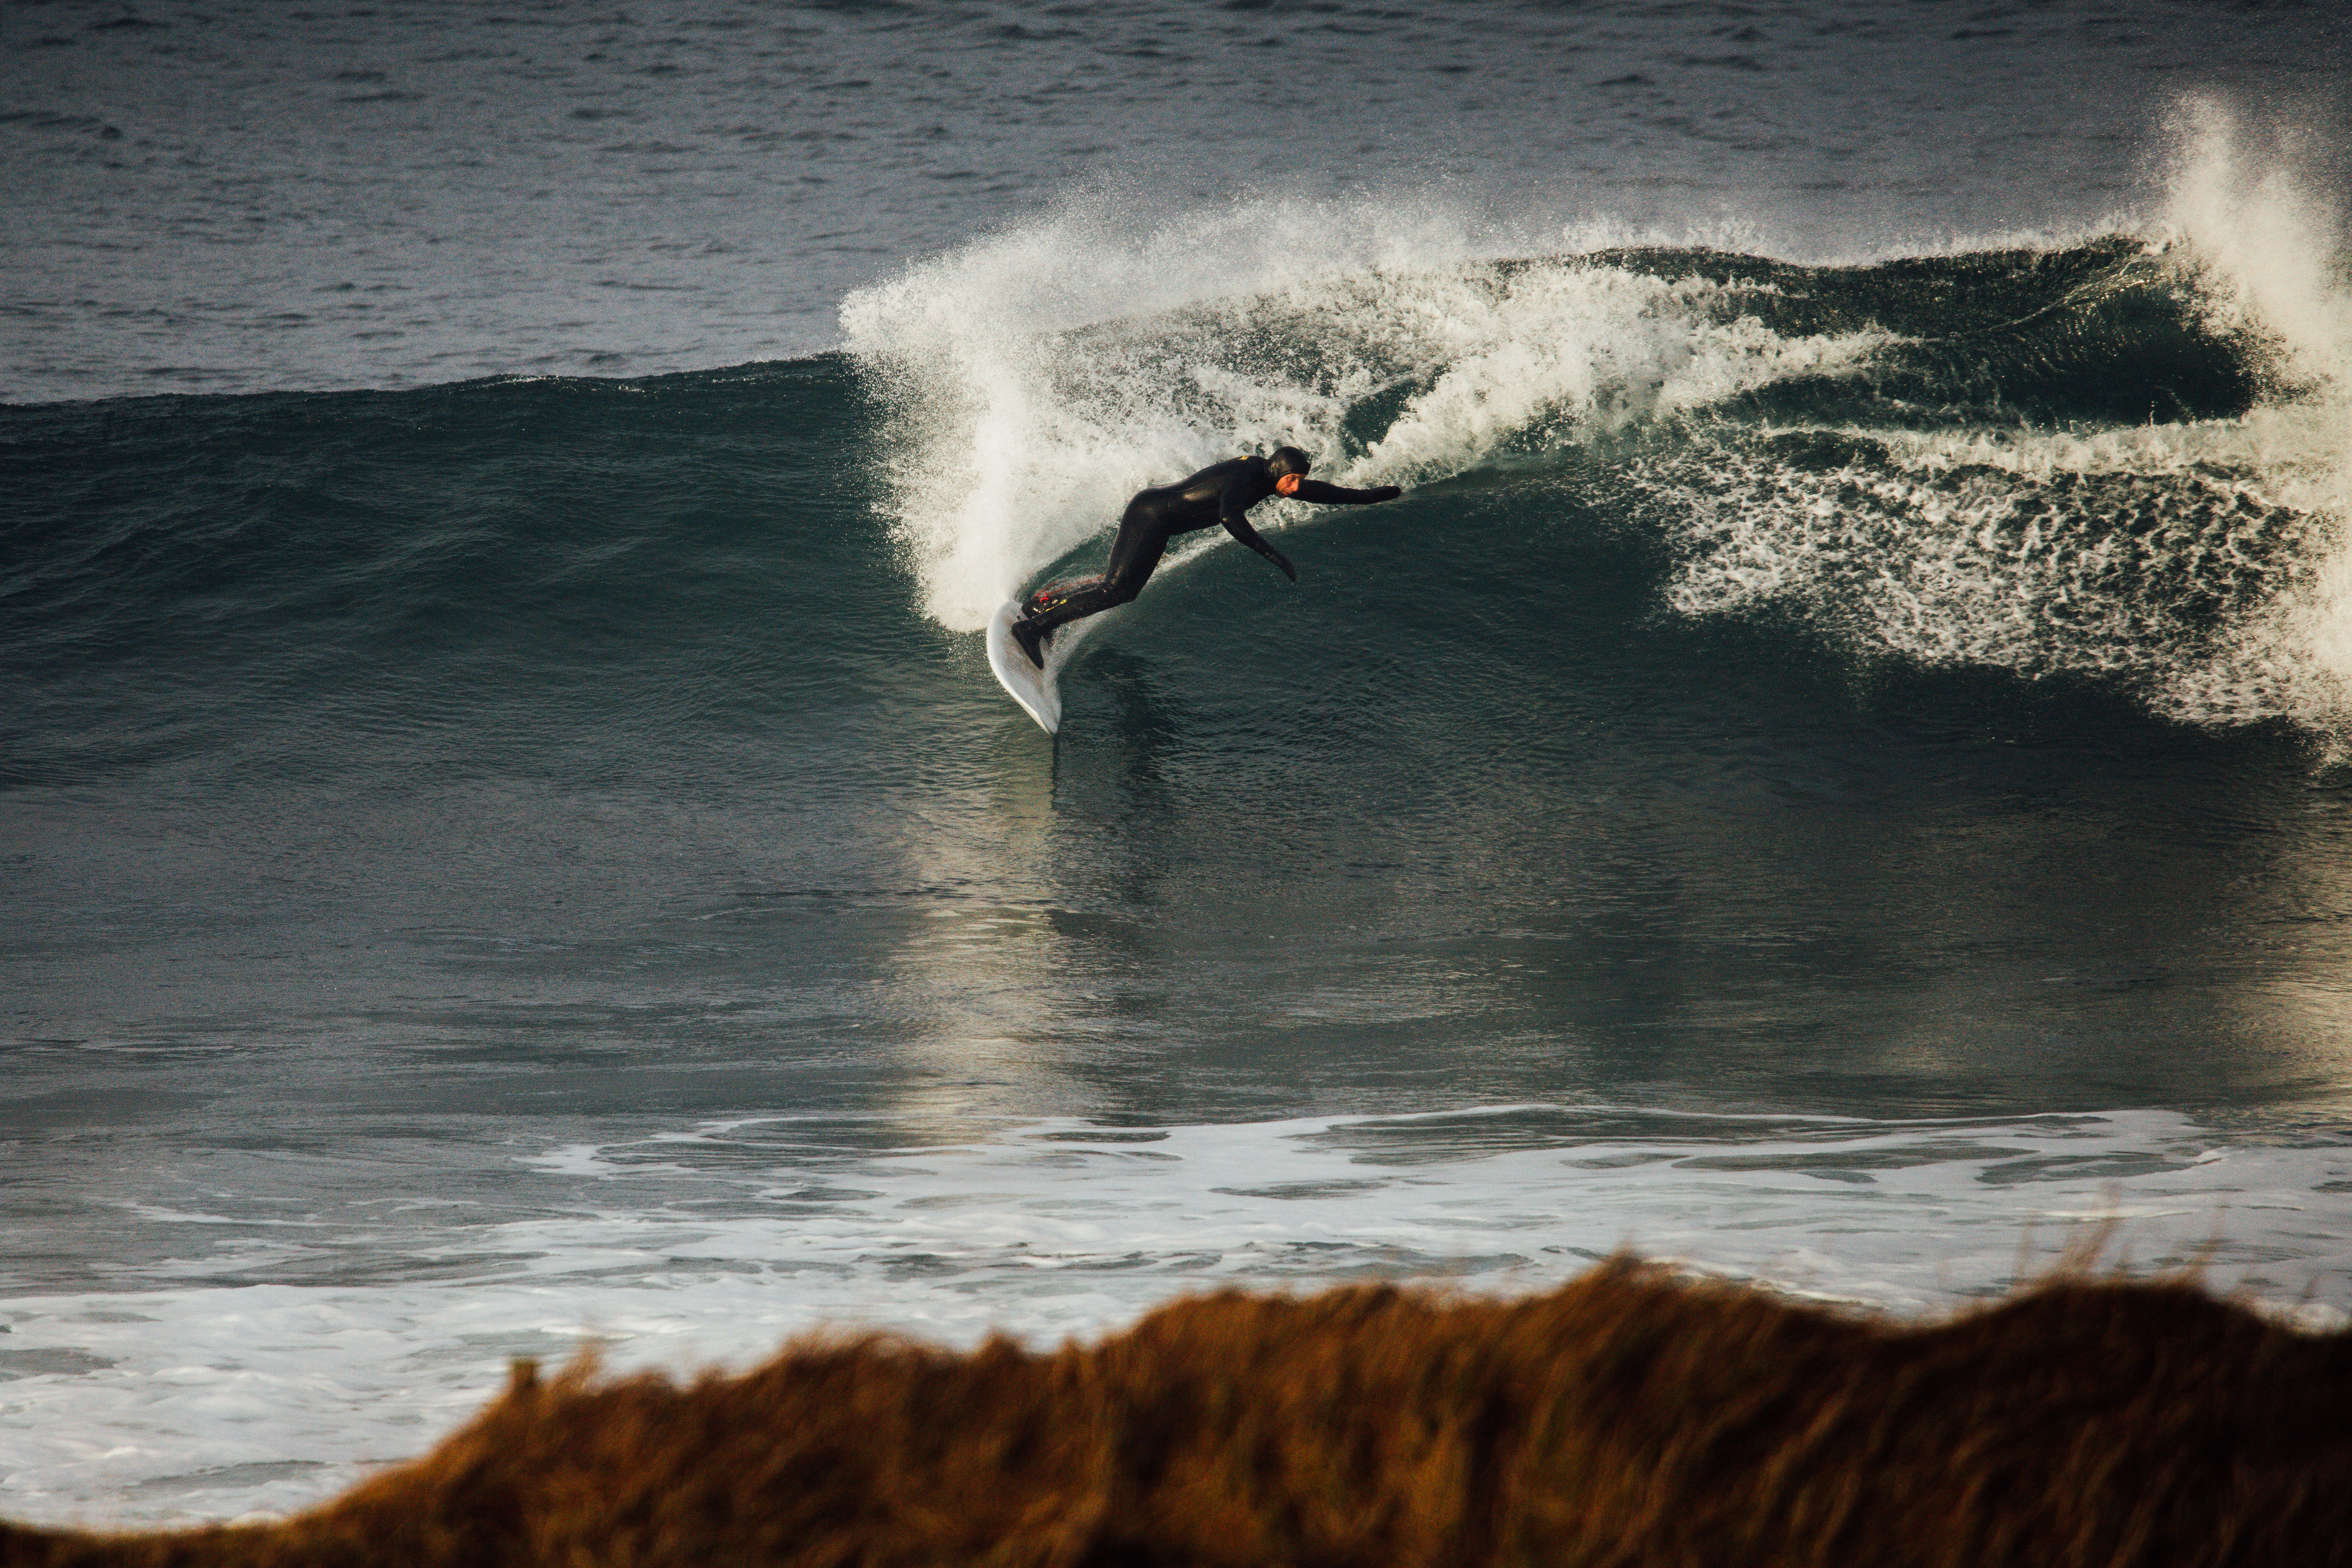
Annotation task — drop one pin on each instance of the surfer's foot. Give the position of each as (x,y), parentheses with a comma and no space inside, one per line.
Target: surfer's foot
(1032,641)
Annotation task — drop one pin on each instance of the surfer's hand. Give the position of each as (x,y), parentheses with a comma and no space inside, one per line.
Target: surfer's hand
(1387,492)
(1287,569)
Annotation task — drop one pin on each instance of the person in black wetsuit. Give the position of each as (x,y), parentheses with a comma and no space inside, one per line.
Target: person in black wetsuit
(1222,493)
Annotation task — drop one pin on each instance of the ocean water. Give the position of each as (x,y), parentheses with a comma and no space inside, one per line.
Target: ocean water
(1835,772)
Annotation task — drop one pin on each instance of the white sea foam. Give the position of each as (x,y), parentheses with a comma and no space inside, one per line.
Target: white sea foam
(175,1397)
(2204,561)
(2160,554)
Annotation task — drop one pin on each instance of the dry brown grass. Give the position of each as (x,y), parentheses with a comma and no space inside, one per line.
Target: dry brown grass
(1627,1418)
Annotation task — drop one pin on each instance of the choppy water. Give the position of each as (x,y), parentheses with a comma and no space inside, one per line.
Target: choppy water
(1833,770)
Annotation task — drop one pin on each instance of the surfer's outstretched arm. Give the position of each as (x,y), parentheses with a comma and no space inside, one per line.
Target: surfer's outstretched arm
(1237,523)
(1334,495)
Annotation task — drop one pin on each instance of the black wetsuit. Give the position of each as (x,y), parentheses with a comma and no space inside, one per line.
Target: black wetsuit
(1222,493)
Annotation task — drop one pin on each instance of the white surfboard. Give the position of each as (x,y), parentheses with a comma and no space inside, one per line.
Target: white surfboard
(1026,684)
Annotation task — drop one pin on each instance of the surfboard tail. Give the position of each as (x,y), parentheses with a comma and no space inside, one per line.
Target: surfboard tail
(1024,681)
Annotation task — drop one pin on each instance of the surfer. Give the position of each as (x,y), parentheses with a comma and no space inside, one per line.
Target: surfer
(1222,493)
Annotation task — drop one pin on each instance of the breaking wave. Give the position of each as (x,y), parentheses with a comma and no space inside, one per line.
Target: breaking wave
(2120,457)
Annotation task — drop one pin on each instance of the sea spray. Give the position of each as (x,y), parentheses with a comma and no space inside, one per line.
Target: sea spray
(1011,449)
(1026,413)
(2269,247)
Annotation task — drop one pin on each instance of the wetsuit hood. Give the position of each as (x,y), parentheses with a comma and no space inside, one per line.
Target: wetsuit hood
(1286,460)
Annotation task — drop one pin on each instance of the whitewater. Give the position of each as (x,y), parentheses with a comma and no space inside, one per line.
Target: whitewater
(1038,379)
(1831,775)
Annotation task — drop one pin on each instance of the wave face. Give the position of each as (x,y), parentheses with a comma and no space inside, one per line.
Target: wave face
(462,581)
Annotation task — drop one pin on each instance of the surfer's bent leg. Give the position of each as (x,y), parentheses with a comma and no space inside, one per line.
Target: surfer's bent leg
(1134,555)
